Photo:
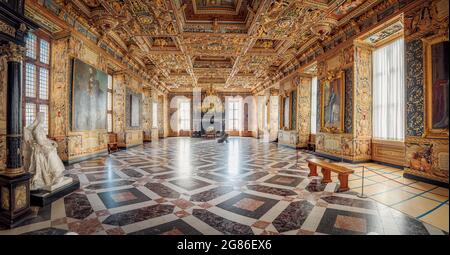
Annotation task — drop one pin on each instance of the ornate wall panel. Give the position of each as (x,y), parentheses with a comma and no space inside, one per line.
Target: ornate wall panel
(414,88)
(392,152)
(3,76)
(363,93)
(426,158)
(147,115)
(348,114)
(303,110)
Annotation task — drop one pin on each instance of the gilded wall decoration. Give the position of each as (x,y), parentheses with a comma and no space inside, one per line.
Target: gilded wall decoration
(304,110)
(414,88)
(119,88)
(427,158)
(147,114)
(363,93)
(348,115)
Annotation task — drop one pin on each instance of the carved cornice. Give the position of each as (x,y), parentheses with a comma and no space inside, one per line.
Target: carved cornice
(13,52)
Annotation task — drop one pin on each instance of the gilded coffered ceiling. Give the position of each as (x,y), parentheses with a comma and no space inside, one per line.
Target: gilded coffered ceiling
(232,45)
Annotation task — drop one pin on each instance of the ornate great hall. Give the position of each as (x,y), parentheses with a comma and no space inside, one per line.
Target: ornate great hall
(211,117)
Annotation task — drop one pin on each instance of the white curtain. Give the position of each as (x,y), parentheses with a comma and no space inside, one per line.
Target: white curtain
(389,91)
(313,104)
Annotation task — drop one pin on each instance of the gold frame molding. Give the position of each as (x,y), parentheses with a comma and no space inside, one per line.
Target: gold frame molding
(431,132)
(331,77)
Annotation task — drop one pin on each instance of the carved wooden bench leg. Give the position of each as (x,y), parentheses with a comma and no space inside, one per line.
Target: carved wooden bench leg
(343,179)
(312,170)
(326,175)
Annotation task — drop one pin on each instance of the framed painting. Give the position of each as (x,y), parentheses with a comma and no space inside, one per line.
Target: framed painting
(89,97)
(133,109)
(436,50)
(332,104)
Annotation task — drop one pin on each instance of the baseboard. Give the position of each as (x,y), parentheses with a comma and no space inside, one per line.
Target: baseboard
(341,159)
(388,164)
(83,158)
(429,181)
(130,146)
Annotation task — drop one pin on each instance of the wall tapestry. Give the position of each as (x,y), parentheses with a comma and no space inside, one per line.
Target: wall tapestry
(89,97)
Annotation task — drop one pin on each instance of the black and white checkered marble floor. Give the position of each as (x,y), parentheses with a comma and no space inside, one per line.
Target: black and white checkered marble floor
(194,186)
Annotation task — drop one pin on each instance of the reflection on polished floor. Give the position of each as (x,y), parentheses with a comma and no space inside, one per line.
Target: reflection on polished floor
(194,186)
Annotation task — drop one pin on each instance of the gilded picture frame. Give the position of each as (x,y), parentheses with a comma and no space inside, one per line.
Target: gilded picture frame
(432,130)
(328,123)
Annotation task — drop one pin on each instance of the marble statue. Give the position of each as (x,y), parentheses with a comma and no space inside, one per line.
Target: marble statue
(41,158)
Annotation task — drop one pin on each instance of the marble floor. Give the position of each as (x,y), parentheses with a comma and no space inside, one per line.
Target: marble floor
(195,186)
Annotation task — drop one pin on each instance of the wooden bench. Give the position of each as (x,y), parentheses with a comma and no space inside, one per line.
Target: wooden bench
(327,168)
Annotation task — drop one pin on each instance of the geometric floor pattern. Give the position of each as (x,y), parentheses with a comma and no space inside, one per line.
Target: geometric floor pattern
(184,186)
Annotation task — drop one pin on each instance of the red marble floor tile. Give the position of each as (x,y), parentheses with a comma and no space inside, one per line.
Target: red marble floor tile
(123,196)
(248,204)
(182,214)
(205,205)
(174,231)
(183,204)
(115,231)
(261,224)
(160,200)
(351,223)
(86,227)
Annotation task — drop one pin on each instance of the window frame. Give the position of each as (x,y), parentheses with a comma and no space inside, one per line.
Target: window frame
(185,119)
(234,115)
(37,101)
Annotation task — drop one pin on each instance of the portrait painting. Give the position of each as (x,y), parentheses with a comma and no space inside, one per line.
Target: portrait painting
(436,87)
(89,97)
(332,103)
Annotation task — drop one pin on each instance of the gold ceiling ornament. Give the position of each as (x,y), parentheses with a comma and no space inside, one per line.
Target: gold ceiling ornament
(323,28)
(287,29)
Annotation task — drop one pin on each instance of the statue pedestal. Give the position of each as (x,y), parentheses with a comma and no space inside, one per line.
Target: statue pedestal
(44,197)
(64,182)
(15,199)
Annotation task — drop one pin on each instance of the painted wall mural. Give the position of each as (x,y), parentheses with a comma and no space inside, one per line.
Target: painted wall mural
(89,97)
